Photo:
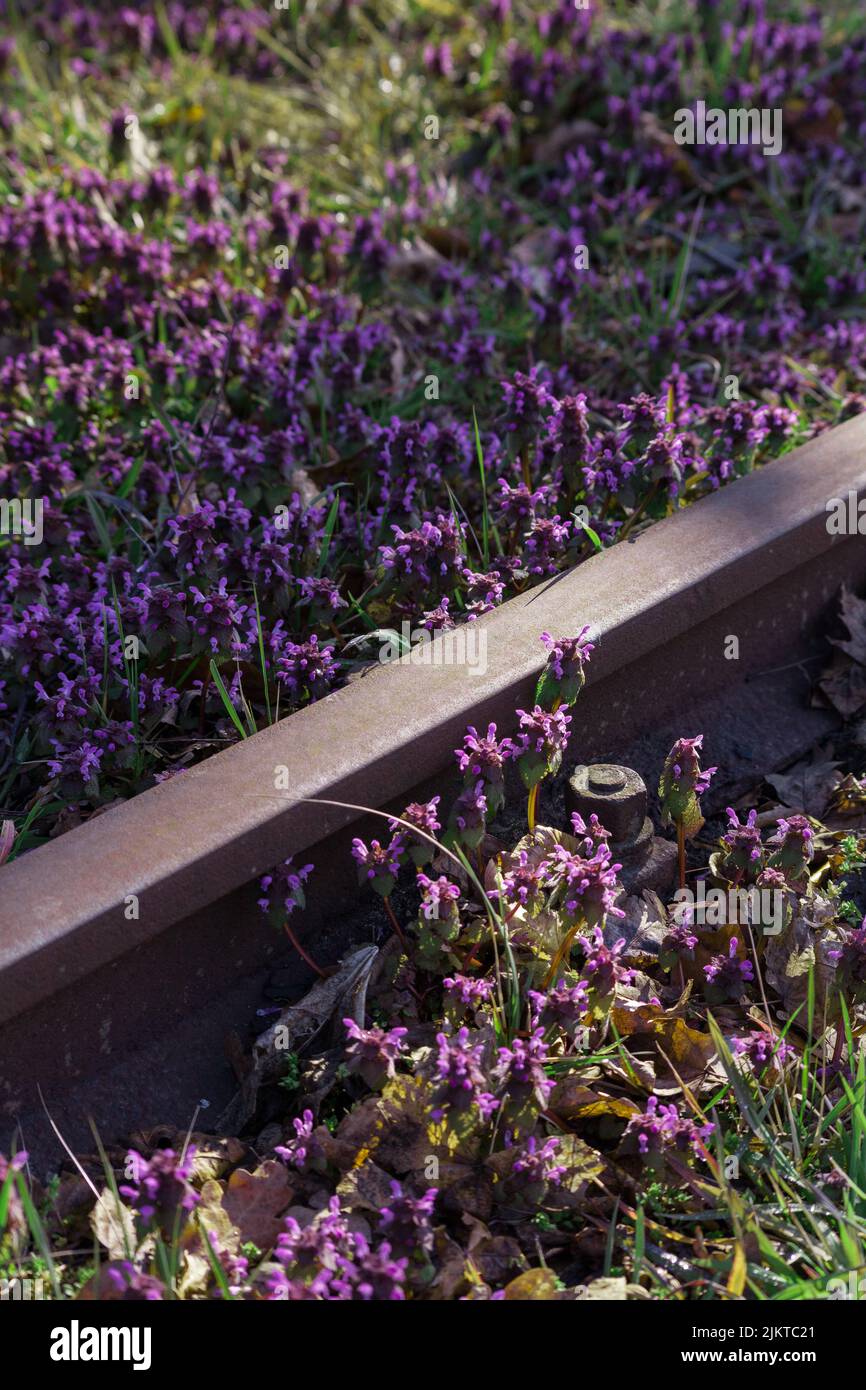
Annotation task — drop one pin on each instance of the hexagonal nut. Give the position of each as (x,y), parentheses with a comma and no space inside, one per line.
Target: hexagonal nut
(617,795)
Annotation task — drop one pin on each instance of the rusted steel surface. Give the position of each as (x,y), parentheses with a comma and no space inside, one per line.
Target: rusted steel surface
(82,983)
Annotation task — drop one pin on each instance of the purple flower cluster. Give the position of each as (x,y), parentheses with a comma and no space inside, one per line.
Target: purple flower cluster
(727,975)
(158,1189)
(283,890)
(372,1052)
(661,1130)
(328,1261)
(461,1082)
(218,433)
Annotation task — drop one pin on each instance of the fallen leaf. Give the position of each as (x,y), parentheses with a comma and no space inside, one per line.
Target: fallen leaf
(571,1100)
(255,1202)
(853,615)
(113,1225)
(806,789)
(844,685)
(535,1284)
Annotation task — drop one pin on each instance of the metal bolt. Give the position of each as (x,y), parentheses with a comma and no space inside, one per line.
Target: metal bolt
(617,795)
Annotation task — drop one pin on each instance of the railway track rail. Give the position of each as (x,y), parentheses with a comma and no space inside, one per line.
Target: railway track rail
(130,946)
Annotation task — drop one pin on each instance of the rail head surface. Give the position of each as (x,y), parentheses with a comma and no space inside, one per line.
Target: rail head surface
(193,839)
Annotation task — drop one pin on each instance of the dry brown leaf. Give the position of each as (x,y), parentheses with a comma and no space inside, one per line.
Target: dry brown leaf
(113,1225)
(571,1100)
(806,789)
(255,1202)
(535,1284)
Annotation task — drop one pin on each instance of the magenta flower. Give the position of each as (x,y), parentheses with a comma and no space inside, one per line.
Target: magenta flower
(484,759)
(793,847)
(523,884)
(536,1163)
(304,1151)
(439,897)
(602,971)
(587,889)
(372,1052)
(682,782)
(762,1049)
(727,975)
(564,1005)
(563,677)
(283,890)
(541,742)
(462,1082)
(422,815)
(520,1071)
(159,1190)
(660,1130)
(379,864)
(468,993)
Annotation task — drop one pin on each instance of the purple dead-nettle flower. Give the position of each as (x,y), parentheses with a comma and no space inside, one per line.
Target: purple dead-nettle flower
(527,401)
(593,834)
(485,757)
(536,1163)
(77,768)
(602,970)
(422,815)
(520,1071)
(564,1005)
(540,744)
(462,1082)
(216,620)
(304,1152)
(545,544)
(662,1129)
(727,975)
(793,847)
(438,60)
(327,1261)
(306,670)
(408,1222)
(587,889)
(372,1052)
(323,595)
(378,864)
(465,993)
(438,619)
(683,780)
(522,884)
(120,1280)
(568,429)
(484,592)
(563,677)
(518,504)
(742,853)
(662,461)
(468,820)
(762,1050)
(643,417)
(679,941)
(439,897)
(158,1189)
(423,557)
(283,890)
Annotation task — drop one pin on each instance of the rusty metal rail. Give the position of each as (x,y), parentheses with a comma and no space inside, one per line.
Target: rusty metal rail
(123,1015)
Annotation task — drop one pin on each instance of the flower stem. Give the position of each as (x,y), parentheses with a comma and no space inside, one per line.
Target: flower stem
(531,805)
(394,923)
(681,850)
(302,953)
